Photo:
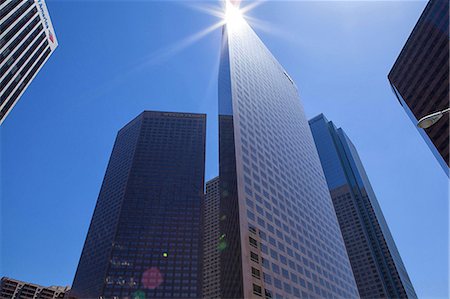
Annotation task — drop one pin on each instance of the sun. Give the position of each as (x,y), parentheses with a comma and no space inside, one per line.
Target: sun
(233,15)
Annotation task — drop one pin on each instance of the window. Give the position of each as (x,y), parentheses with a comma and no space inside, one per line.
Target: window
(254,257)
(253,242)
(267,278)
(256,273)
(257,290)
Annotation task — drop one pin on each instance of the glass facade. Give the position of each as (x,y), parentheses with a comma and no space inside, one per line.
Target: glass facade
(281,238)
(420,77)
(26,41)
(377,266)
(145,237)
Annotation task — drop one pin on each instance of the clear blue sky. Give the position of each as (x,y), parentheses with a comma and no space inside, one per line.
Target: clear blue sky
(117,58)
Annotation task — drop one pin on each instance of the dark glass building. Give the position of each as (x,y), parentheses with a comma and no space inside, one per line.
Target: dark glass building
(145,237)
(27,40)
(377,266)
(211,239)
(279,233)
(420,76)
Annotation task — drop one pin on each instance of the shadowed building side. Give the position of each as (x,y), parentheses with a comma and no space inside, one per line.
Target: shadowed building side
(145,237)
(420,76)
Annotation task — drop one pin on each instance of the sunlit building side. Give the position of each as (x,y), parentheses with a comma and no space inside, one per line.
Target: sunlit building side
(281,238)
(27,39)
(145,238)
(377,266)
(14,289)
(211,241)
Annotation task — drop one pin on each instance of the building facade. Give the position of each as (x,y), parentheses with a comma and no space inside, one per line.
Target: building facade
(281,238)
(420,76)
(377,266)
(211,241)
(27,40)
(145,237)
(15,289)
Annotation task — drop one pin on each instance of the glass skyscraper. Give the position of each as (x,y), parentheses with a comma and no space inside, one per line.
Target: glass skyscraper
(144,240)
(279,234)
(377,266)
(420,77)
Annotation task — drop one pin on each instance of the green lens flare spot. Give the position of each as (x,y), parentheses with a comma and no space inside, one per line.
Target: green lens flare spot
(165,254)
(139,295)
(222,245)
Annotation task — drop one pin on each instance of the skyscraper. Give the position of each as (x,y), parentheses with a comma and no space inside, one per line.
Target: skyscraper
(280,234)
(211,241)
(377,266)
(420,76)
(144,239)
(27,40)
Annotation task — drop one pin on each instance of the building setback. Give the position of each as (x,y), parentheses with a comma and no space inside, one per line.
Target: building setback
(280,234)
(12,289)
(420,76)
(27,40)
(377,266)
(211,241)
(145,237)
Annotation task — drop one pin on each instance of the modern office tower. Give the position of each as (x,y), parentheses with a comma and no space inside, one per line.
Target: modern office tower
(377,266)
(211,241)
(280,234)
(145,237)
(27,40)
(420,76)
(12,289)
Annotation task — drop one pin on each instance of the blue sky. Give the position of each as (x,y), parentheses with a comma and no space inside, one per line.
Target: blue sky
(118,58)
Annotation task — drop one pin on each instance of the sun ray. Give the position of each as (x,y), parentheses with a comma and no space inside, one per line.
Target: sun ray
(165,53)
(213,10)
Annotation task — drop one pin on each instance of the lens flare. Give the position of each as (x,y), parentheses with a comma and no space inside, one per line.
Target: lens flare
(152,278)
(138,295)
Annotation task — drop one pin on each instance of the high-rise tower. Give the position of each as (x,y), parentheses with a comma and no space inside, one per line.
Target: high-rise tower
(144,240)
(280,234)
(420,77)
(377,266)
(27,40)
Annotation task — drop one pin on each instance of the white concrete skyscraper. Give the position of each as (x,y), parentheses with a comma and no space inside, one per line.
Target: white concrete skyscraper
(281,238)
(27,40)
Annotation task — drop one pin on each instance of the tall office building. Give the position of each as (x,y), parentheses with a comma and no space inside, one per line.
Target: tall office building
(420,76)
(211,241)
(281,238)
(27,40)
(13,288)
(145,237)
(377,266)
